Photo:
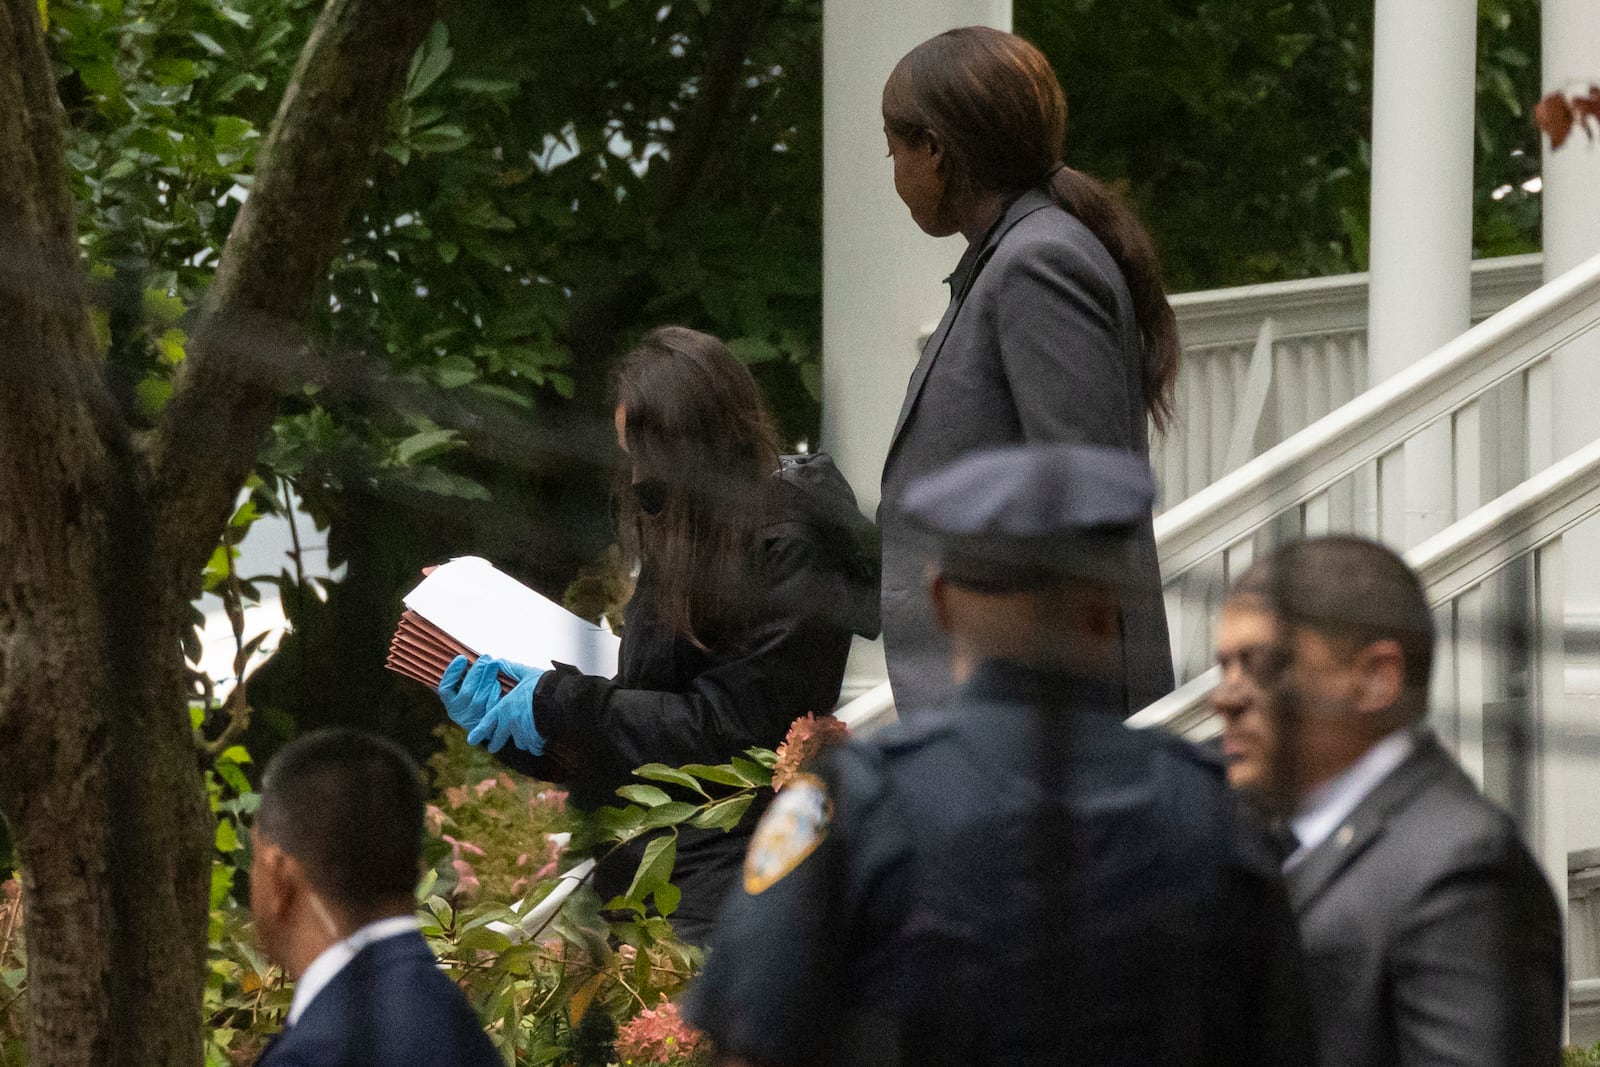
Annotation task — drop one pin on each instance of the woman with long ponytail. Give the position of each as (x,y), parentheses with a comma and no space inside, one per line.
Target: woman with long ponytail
(1058,327)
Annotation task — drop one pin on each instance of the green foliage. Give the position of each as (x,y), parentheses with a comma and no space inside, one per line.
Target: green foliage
(1573,1056)
(1242,127)
(563,995)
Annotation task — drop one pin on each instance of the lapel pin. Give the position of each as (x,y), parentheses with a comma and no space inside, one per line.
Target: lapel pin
(1345,835)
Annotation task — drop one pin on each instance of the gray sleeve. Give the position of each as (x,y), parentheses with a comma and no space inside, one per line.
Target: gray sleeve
(1065,355)
(1477,973)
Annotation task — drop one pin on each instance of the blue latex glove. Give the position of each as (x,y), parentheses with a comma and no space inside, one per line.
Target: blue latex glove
(510,718)
(469,689)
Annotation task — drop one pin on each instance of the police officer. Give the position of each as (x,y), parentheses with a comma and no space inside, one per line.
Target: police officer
(1022,879)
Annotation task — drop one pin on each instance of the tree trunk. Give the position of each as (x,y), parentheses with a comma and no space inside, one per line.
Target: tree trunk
(104,538)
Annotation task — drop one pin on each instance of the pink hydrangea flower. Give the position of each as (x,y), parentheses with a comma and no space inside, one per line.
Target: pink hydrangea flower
(467,884)
(657,1036)
(805,741)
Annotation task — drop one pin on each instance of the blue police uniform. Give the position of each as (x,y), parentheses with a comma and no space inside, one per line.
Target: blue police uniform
(1022,879)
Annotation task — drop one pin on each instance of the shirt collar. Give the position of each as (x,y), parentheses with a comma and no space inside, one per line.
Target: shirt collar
(1330,803)
(333,959)
(1029,200)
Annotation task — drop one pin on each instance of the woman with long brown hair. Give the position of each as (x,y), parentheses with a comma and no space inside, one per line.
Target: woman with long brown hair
(754,569)
(1058,327)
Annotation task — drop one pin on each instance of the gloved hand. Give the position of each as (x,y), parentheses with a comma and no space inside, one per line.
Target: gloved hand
(469,689)
(510,718)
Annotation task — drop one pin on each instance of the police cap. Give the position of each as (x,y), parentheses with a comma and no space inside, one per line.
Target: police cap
(1027,516)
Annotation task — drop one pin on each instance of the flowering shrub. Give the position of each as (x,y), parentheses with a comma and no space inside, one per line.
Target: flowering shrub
(806,739)
(659,1036)
(586,989)
(13,1009)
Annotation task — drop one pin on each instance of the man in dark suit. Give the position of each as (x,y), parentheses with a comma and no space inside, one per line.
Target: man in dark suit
(337,849)
(1430,934)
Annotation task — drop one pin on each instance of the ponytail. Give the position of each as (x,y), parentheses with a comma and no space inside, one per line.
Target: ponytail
(1110,219)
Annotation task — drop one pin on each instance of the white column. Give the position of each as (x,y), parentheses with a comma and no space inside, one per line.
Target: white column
(1423,89)
(1571,58)
(1569,388)
(882,278)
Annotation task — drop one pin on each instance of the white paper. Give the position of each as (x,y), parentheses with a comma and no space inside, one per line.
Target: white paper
(493,614)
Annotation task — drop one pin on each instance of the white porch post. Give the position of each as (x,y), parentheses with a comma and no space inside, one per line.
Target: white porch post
(1569,390)
(881,277)
(1423,89)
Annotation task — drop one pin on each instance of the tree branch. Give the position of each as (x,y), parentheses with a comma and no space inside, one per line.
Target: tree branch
(314,164)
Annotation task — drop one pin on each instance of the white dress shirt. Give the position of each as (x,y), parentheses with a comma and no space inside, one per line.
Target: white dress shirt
(333,959)
(1330,803)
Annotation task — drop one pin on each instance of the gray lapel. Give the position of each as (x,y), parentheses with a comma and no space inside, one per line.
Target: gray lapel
(1314,874)
(1020,208)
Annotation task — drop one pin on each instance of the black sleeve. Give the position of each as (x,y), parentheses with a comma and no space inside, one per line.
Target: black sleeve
(1268,1020)
(790,662)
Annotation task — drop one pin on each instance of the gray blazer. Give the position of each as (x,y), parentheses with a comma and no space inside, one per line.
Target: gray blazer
(1430,934)
(1039,344)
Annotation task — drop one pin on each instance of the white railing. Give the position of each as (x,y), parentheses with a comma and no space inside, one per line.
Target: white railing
(1306,484)
(1509,732)
(1262,362)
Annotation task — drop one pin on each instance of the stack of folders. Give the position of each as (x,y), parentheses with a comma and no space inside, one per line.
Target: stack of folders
(422,651)
(468,608)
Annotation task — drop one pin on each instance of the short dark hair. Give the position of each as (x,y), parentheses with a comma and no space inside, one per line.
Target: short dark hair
(1349,589)
(349,806)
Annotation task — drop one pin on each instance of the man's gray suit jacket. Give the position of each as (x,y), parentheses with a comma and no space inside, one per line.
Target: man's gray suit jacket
(1039,344)
(1430,934)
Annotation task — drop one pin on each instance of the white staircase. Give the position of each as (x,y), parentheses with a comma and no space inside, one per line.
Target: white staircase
(1496,574)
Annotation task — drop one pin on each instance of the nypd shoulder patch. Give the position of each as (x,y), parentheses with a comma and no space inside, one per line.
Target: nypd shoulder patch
(791,830)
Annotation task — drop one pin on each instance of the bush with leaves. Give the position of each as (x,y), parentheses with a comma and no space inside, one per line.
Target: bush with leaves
(593,986)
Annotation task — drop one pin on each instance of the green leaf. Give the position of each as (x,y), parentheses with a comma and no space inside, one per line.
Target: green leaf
(454,371)
(439,139)
(221,884)
(423,446)
(655,869)
(227,837)
(756,773)
(620,823)
(724,814)
(209,43)
(152,395)
(667,898)
(431,61)
(668,815)
(754,350)
(235,754)
(444,483)
(764,756)
(660,772)
(720,775)
(648,795)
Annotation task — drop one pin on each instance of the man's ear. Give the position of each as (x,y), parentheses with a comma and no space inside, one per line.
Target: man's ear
(1383,676)
(275,878)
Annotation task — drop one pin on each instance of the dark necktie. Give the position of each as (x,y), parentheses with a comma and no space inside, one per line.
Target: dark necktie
(1284,843)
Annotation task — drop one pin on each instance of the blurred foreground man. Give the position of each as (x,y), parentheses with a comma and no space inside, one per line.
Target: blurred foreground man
(337,850)
(1430,934)
(1022,880)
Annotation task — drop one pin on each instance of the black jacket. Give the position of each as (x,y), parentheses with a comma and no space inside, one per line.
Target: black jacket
(674,703)
(942,913)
